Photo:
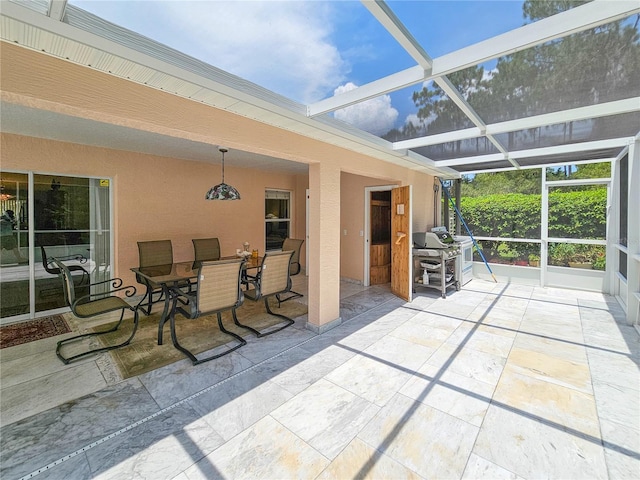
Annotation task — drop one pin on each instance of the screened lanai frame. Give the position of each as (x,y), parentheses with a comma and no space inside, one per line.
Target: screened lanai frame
(61,29)
(479,126)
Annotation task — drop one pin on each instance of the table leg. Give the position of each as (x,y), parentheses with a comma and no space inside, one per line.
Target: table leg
(165,311)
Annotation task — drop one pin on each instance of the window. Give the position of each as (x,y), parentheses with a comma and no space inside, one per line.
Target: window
(277,214)
(71,221)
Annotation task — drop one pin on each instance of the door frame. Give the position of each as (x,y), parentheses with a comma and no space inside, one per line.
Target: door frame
(366,278)
(96,273)
(306,234)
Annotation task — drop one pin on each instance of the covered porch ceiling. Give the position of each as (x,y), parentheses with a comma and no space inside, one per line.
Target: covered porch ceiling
(468,124)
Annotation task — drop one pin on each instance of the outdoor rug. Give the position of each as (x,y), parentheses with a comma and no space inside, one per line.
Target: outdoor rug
(31,330)
(144,354)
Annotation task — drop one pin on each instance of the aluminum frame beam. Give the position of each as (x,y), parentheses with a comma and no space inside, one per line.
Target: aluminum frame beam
(584,17)
(616,107)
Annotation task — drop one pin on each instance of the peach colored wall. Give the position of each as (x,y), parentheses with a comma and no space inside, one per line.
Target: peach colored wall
(299,213)
(352,215)
(142,183)
(352,220)
(158,198)
(324,244)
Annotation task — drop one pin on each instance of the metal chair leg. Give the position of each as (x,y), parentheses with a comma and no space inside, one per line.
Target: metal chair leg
(284,317)
(67,360)
(251,329)
(191,356)
(270,312)
(290,297)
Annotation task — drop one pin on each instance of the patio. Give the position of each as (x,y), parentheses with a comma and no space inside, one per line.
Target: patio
(495,381)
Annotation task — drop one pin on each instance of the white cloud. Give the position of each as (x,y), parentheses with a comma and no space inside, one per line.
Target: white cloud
(376,116)
(418,122)
(286,47)
(413,118)
(283,46)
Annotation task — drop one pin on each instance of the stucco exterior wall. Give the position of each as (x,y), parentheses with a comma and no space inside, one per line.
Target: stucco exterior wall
(158,198)
(353,222)
(352,215)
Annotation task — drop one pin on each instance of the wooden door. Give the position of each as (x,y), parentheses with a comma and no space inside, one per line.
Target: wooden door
(401,242)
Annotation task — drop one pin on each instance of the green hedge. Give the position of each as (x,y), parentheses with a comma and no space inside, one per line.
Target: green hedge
(572,214)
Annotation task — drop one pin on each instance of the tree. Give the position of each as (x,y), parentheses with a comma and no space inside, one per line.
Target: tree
(438,112)
(516,181)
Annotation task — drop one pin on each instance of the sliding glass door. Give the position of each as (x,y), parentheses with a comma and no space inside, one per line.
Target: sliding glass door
(61,217)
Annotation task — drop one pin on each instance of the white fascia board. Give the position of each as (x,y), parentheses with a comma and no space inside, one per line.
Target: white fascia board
(429,166)
(584,17)
(439,138)
(538,167)
(617,107)
(493,157)
(572,147)
(393,82)
(538,152)
(395,27)
(577,19)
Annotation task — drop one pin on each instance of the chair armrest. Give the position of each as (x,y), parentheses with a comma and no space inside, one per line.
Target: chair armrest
(74,256)
(255,282)
(77,268)
(176,292)
(185,298)
(129,291)
(115,283)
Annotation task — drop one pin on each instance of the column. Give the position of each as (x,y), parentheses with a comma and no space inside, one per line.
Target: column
(324,246)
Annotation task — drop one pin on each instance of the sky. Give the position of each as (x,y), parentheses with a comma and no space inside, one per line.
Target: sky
(312,50)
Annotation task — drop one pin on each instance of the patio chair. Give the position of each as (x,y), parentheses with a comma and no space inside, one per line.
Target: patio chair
(272,279)
(92,305)
(294,268)
(218,289)
(206,249)
(151,254)
(49,268)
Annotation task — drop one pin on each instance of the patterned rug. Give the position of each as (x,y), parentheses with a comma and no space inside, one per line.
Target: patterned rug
(144,354)
(24,332)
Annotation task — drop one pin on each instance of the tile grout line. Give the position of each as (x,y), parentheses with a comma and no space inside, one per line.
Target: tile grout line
(169,408)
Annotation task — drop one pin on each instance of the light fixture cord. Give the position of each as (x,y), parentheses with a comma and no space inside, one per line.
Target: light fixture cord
(222,167)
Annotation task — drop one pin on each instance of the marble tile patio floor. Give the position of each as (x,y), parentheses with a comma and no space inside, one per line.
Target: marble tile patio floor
(495,381)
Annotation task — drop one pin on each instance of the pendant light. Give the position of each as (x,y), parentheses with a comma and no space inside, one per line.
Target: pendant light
(222,191)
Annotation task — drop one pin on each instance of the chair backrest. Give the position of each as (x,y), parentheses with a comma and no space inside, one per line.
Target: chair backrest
(206,249)
(46,263)
(219,286)
(293,244)
(67,281)
(155,252)
(274,274)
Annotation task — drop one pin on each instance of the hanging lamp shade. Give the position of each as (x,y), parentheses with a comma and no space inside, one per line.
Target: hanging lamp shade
(222,191)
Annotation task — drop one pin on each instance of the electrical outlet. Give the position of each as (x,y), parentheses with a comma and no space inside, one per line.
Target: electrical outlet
(345,231)
(362,233)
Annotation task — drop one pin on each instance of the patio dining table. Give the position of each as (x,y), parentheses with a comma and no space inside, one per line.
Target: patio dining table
(174,274)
